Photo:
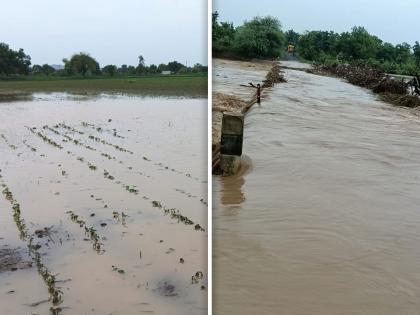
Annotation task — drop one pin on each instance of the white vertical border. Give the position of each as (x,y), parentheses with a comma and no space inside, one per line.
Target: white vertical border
(209,162)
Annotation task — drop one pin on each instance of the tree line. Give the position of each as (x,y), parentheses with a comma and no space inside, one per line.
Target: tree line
(358,46)
(263,37)
(16,63)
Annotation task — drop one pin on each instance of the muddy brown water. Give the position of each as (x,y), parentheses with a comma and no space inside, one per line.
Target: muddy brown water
(145,246)
(324,216)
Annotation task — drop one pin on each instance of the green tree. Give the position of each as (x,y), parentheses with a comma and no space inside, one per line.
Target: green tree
(123,69)
(162,67)
(318,45)
(416,50)
(222,35)
(44,69)
(153,69)
(141,67)
(36,69)
(13,62)
(386,52)
(358,44)
(292,37)
(47,69)
(81,63)
(131,70)
(198,67)
(402,53)
(174,66)
(110,70)
(259,38)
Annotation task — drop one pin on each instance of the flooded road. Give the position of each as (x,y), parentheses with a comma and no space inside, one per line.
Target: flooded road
(105,198)
(324,216)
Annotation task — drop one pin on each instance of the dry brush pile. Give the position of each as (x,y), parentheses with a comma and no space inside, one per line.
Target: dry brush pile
(389,90)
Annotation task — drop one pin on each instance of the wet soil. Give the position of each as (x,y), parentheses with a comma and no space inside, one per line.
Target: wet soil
(12,259)
(104,196)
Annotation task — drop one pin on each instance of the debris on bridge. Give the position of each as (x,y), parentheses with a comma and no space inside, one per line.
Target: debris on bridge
(390,90)
(275,75)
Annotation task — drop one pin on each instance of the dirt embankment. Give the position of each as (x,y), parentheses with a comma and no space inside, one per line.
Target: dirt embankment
(390,90)
(232,104)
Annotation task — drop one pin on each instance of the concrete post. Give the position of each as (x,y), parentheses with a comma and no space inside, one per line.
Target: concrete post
(231,142)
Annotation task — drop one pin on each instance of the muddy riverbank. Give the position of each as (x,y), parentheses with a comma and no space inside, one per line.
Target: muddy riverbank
(105,199)
(322,218)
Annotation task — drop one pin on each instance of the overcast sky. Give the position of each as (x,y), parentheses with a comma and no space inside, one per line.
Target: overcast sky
(391,20)
(112,31)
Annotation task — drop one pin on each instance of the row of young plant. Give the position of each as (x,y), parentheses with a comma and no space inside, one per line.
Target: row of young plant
(98,139)
(174,213)
(55,292)
(86,146)
(100,129)
(11,146)
(110,157)
(56,295)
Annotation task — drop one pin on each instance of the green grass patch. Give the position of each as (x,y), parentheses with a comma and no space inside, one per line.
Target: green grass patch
(174,85)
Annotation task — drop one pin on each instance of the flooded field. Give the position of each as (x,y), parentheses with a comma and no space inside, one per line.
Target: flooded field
(104,205)
(324,216)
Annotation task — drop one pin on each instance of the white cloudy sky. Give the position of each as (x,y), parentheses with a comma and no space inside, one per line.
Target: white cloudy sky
(113,31)
(391,20)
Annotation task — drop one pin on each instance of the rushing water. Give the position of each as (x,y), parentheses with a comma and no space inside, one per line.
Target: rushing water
(147,257)
(324,217)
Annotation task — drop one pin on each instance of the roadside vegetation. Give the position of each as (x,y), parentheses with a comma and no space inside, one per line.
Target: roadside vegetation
(263,38)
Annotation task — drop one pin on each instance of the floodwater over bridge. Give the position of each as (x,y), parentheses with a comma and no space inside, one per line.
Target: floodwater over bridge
(324,216)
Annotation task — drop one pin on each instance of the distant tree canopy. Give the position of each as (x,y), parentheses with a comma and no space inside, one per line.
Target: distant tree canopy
(416,50)
(315,45)
(223,35)
(258,38)
(153,68)
(262,37)
(13,62)
(44,69)
(358,46)
(18,63)
(110,70)
(81,63)
(292,37)
(141,67)
(174,66)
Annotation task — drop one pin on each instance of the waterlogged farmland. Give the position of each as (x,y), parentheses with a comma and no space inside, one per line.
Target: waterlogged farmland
(103,205)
